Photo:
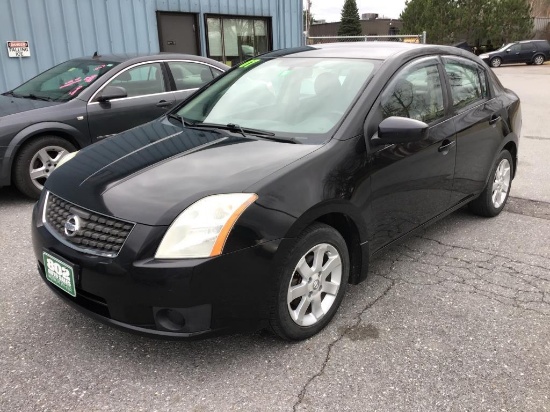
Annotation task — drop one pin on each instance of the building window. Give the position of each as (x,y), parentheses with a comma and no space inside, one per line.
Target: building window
(232,40)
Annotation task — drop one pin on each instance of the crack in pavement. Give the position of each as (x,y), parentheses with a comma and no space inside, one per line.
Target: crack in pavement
(302,393)
(494,276)
(459,269)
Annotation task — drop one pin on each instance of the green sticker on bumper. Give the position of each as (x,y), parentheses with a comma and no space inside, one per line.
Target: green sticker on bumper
(60,273)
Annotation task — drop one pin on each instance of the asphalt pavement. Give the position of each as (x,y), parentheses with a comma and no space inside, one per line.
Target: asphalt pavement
(454,319)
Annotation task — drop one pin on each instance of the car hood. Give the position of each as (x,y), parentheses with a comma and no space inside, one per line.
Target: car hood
(151,173)
(12,105)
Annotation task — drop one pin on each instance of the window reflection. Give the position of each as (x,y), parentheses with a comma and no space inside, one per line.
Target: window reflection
(233,40)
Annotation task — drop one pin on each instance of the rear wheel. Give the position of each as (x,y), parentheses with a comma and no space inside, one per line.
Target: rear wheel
(493,198)
(312,283)
(36,161)
(539,59)
(496,62)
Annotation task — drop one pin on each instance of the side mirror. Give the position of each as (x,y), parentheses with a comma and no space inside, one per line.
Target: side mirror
(111,93)
(399,130)
(508,51)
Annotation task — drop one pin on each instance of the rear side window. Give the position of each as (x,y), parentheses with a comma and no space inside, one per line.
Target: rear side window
(527,47)
(468,82)
(189,75)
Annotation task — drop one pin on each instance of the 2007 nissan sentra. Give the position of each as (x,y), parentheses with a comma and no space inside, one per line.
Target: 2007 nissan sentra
(258,200)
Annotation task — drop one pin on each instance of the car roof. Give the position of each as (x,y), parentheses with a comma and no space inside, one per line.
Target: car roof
(375,50)
(143,57)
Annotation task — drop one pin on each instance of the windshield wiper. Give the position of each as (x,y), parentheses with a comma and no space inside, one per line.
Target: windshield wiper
(35,97)
(245,131)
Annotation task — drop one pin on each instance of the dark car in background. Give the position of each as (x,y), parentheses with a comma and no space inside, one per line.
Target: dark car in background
(84,100)
(254,203)
(529,52)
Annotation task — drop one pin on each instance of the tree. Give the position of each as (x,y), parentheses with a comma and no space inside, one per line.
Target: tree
(477,22)
(433,16)
(350,25)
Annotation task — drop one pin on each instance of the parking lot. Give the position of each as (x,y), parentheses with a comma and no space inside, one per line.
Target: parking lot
(456,318)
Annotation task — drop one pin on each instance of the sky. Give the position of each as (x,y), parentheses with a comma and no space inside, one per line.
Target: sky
(330,10)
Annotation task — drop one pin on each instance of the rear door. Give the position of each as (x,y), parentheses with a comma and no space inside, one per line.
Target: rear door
(149,96)
(528,50)
(411,182)
(478,124)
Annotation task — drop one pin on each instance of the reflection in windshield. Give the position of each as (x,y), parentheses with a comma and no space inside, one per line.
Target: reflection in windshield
(65,81)
(285,96)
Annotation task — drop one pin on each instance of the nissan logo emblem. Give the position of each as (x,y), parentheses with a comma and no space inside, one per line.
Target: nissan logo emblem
(72,225)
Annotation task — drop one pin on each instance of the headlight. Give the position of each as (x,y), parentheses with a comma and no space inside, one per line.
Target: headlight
(66,158)
(483,56)
(202,229)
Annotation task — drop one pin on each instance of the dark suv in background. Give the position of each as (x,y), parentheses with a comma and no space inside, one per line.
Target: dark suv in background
(84,100)
(529,51)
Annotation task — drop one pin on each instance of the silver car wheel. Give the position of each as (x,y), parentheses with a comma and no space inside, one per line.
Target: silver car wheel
(501,183)
(44,162)
(539,60)
(314,284)
(496,62)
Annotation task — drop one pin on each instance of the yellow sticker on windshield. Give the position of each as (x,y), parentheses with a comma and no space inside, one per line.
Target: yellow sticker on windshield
(249,63)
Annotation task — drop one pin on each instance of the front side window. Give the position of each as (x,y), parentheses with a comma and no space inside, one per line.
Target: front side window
(466,83)
(415,93)
(515,48)
(233,40)
(286,96)
(189,75)
(64,81)
(141,80)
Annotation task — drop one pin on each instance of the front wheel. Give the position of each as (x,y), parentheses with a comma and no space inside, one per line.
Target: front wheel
(312,283)
(496,62)
(36,161)
(493,198)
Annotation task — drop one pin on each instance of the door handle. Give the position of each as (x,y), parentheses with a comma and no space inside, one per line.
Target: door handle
(444,148)
(494,118)
(164,103)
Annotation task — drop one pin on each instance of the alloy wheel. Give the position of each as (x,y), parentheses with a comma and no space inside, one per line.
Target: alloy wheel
(501,183)
(496,62)
(44,162)
(539,60)
(314,284)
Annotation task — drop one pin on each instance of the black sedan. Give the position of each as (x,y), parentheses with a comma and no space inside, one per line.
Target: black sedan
(528,51)
(257,201)
(84,100)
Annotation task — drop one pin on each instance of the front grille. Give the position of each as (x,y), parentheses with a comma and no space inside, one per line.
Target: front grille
(93,233)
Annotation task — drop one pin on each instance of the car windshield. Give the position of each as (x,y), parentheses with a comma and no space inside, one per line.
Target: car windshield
(285,96)
(64,81)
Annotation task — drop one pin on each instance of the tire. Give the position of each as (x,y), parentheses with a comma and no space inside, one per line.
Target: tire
(493,198)
(320,292)
(40,156)
(538,59)
(496,62)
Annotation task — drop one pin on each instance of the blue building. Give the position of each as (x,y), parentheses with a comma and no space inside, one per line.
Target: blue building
(58,30)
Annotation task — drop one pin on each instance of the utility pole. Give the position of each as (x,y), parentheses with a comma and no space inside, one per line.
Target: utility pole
(308,16)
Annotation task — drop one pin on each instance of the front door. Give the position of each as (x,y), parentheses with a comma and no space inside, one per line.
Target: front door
(178,32)
(148,98)
(512,54)
(411,182)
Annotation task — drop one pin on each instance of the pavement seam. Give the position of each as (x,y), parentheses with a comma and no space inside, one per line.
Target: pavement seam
(302,393)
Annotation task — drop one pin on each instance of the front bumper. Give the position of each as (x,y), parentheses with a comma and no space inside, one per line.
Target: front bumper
(167,298)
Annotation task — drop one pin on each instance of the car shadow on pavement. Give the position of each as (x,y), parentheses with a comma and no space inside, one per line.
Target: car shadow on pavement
(10,196)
